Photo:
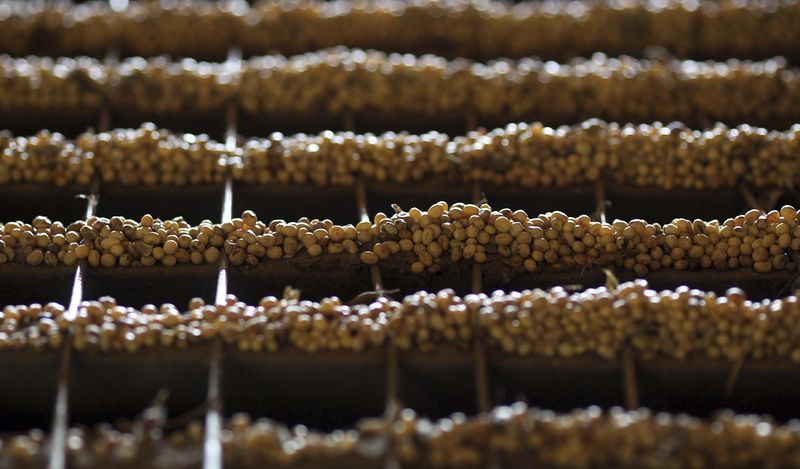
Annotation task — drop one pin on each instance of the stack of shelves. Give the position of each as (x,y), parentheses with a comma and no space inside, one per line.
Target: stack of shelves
(405,174)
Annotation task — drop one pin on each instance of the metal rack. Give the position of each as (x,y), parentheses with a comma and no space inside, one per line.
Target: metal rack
(474,381)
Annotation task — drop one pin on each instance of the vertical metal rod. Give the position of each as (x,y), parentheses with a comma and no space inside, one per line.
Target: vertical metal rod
(752,202)
(361,200)
(630,384)
(482,385)
(58,430)
(629,379)
(392,401)
(225,216)
(477,193)
(600,201)
(212,445)
(58,445)
(733,375)
(230,146)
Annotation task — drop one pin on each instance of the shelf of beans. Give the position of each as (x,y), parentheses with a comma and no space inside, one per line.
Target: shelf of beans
(399,234)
